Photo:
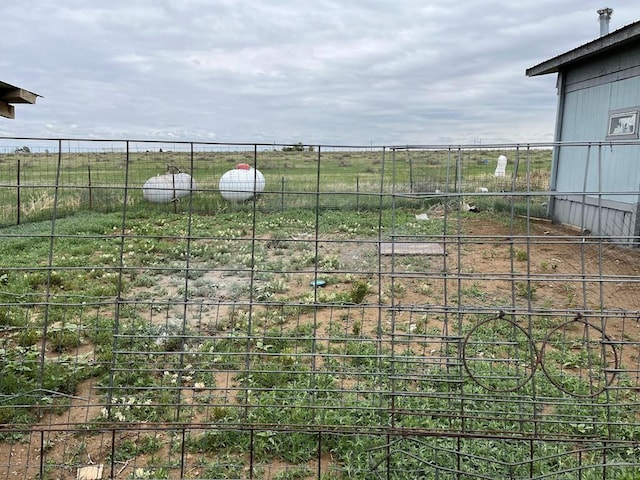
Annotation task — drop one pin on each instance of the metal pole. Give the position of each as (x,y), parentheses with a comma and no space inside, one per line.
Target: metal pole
(18,194)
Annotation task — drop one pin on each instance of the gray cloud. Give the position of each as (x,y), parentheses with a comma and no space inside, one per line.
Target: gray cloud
(354,71)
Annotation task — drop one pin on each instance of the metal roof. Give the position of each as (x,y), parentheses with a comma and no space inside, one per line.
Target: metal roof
(599,46)
(10,94)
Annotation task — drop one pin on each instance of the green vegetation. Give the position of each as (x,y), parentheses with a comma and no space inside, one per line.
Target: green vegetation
(209,329)
(42,183)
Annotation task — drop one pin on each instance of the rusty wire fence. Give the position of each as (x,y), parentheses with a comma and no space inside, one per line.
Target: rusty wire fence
(318,312)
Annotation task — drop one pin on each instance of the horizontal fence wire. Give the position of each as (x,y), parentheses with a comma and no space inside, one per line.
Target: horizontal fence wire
(248,311)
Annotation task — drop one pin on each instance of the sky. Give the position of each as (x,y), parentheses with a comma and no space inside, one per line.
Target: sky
(343,72)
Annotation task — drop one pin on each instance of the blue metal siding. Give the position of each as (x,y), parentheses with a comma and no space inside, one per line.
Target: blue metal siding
(598,185)
(611,172)
(585,115)
(606,69)
(596,216)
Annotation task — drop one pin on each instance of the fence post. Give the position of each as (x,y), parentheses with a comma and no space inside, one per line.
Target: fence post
(410,172)
(174,200)
(282,194)
(18,194)
(90,189)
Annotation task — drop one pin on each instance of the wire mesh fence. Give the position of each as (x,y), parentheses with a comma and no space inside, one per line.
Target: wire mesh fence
(99,179)
(317,312)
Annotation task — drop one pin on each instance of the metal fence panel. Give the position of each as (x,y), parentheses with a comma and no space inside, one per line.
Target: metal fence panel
(368,312)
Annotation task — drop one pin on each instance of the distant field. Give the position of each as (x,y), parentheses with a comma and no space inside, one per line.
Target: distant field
(360,179)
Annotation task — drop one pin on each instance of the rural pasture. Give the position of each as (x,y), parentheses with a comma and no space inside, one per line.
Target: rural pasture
(373,313)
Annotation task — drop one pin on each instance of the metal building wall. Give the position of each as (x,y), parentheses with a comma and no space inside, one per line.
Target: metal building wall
(597,182)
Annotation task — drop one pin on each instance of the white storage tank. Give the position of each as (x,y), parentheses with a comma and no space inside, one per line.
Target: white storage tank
(168,187)
(241,183)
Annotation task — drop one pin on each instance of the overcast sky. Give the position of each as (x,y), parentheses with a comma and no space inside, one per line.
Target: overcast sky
(347,72)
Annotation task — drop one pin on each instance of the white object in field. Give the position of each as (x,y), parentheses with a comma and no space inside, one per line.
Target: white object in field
(241,183)
(482,190)
(422,216)
(168,187)
(501,167)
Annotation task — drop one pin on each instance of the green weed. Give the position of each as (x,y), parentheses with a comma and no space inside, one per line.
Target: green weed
(359,290)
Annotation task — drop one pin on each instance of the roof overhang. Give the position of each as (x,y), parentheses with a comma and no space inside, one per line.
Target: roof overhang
(599,46)
(10,94)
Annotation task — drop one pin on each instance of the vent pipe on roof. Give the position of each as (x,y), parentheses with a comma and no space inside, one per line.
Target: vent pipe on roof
(605,16)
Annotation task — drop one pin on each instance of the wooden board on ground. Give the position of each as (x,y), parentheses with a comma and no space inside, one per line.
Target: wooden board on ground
(90,472)
(411,248)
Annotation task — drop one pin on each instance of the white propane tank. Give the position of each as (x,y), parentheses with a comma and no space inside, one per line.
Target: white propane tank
(241,183)
(168,187)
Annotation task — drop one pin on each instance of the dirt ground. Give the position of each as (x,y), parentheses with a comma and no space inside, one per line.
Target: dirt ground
(566,271)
